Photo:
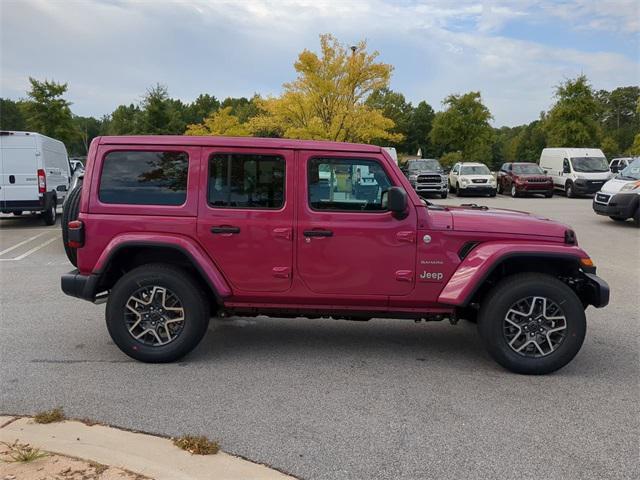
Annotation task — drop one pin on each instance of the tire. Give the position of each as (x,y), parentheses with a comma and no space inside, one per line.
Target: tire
(493,193)
(17,213)
(568,190)
(178,285)
(444,195)
(495,329)
(618,219)
(50,215)
(500,188)
(514,192)
(636,217)
(548,195)
(458,192)
(70,212)
(451,189)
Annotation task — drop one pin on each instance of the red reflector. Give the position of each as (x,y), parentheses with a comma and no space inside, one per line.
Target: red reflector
(73,244)
(42,181)
(75,224)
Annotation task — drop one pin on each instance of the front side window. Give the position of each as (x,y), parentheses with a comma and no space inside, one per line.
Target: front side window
(144,178)
(341,184)
(246,181)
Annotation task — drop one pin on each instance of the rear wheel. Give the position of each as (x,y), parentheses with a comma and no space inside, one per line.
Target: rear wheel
(17,213)
(532,323)
(50,214)
(157,313)
(618,219)
(70,212)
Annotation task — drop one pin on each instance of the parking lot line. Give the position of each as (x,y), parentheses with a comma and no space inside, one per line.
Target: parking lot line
(29,252)
(21,243)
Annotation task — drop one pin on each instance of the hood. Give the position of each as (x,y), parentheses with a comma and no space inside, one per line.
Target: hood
(614,185)
(495,220)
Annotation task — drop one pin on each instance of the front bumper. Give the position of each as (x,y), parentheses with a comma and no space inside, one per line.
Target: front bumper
(78,285)
(621,205)
(597,290)
(429,187)
(534,188)
(477,189)
(585,187)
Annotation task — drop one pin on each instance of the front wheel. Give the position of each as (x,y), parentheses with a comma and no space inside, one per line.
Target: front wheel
(532,323)
(443,194)
(157,313)
(514,192)
(548,194)
(568,190)
(618,219)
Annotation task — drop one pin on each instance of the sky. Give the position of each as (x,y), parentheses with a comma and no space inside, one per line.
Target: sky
(513,52)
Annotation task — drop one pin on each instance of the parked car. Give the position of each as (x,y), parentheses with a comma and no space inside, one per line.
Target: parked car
(522,178)
(34,174)
(76,163)
(173,230)
(619,198)
(470,178)
(575,171)
(618,164)
(426,176)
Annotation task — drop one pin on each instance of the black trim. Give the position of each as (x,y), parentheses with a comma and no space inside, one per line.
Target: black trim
(81,286)
(620,205)
(598,290)
(512,255)
(466,249)
(28,205)
(142,243)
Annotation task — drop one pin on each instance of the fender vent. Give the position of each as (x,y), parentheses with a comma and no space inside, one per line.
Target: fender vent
(570,237)
(466,248)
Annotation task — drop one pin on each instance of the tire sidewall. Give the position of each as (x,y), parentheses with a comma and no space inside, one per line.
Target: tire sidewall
(506,294)
(196,317)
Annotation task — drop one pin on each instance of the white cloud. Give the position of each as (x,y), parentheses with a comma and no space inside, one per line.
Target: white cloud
(110,52)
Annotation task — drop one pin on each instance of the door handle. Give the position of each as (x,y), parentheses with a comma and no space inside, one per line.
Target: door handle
(225,229)
(318,233)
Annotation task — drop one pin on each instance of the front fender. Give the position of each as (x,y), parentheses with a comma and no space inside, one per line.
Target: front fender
(486,257)
(191,249)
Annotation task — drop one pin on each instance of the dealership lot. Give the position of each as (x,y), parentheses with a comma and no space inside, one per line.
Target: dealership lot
(328,399)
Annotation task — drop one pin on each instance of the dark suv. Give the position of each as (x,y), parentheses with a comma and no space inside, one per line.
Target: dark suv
(426,176)
(172,230)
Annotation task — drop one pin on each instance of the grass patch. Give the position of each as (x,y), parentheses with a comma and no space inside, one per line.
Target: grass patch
(21,452)
(50,416)
(197,445)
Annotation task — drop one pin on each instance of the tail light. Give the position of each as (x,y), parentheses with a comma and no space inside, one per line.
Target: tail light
(42,181)
(75,236)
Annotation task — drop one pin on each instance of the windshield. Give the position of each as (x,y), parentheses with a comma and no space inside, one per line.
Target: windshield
(525,168)
(632,171)
(475,170)
(590,164)
(428,165)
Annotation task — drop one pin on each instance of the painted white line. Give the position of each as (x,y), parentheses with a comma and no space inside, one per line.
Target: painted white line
(33,250)
(21,243)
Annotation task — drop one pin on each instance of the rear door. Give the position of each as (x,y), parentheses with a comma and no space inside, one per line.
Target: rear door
(245,216)
(19,169)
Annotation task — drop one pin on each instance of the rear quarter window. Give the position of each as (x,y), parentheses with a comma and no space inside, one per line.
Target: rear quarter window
(144,178)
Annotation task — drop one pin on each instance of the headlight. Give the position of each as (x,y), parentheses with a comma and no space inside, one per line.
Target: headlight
(493,181)
(630,186)
(464,181)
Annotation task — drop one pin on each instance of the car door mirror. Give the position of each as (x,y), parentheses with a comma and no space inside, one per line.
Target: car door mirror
(397,202)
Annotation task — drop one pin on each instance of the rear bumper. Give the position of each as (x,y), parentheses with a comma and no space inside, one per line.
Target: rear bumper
(622,205)
(78,285)
(23,205)
(597,290)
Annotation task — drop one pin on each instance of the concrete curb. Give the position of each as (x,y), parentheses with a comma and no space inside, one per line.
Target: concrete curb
(148,455)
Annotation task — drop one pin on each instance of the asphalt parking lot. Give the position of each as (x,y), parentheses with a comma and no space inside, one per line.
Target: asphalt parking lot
(324,399)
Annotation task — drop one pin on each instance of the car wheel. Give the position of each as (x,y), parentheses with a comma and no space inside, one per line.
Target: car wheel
(532,323)
(70,212)
(50,214)
(636,217)
(493,193)
(514,192)
(444,195)
(458,192)
(500,189)
(548,195)
(17,213)
(451,189)
(618,219)
(157,313)
(568,190)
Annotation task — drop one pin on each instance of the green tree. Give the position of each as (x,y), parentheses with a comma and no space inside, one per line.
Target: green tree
(464,126)
(572,121)
(160,114)
(86,129)
(125,120)
(200,108)
(221,122)
(617,114)
(610,147)
(448,160)
(394,106)
(419,129)
(48,112)
(12,115)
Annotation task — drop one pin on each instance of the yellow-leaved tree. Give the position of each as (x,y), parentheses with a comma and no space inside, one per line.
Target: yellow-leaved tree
(221,122)
(327,100)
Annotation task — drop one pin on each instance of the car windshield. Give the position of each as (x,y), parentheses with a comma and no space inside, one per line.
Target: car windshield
(527,168)
(632,171)
(474,170)
(425,165)
(590,164)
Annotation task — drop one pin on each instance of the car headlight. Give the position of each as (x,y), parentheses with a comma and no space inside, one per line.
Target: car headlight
(463,181)
(631,186)
(492,181)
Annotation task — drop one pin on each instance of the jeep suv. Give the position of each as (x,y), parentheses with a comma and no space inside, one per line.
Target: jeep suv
(524,178)
(426,176)
(172,231)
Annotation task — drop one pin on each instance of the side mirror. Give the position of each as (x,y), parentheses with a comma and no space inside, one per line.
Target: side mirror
(397,202)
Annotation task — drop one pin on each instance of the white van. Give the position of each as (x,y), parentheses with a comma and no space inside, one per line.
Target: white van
(34,174)
(576,171)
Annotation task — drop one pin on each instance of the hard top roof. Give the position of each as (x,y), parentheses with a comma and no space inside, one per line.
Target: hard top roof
(214,141)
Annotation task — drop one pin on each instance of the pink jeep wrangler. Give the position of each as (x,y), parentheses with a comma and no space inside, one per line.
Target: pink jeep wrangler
(174,230)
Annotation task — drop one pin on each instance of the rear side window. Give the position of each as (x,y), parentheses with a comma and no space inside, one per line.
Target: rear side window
(144,178)
(246,181)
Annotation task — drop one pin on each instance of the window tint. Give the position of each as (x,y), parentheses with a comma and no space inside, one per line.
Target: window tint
(347,185)
(246,181)
(144,178)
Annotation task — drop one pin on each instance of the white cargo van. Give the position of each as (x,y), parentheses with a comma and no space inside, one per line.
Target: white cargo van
(34,174)
(576,171)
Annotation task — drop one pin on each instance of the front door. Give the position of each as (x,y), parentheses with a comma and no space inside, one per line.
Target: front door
(347,241)
(245,216)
